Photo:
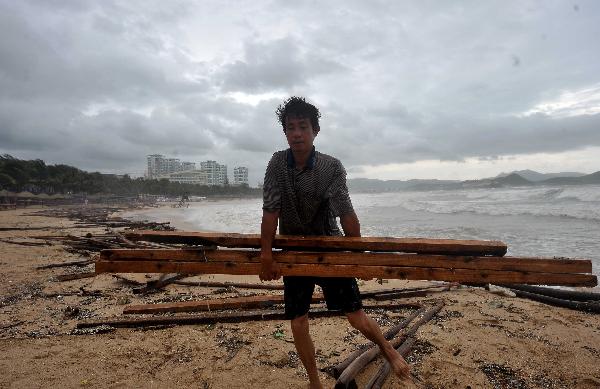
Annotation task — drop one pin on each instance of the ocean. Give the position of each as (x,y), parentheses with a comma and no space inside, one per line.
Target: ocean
(540,221)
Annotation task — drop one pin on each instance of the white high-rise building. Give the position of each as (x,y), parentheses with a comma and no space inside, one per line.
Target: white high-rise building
(217,173)
(240,175)
(154,165)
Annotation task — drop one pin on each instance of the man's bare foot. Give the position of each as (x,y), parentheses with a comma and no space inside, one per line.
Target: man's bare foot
(398,364)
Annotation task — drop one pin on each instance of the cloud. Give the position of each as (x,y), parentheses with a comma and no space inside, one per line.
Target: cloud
(275,65)
(100,85)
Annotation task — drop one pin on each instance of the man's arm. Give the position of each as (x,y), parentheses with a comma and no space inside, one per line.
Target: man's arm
(269,270)
(350,224)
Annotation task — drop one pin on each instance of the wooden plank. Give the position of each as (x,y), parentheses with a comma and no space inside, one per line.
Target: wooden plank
(250,302)
(227,284)
(546,265)
(221,317)
(325,270)
(409,245)
(212,304)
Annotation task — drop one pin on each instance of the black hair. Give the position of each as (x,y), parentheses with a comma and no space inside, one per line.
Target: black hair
(298,107)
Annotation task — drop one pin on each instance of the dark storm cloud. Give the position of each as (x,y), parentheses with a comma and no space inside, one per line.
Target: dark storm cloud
(100,85)
(276,65)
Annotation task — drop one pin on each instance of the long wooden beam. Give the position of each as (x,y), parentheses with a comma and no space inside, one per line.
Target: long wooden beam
(407,245)
(219,317)
(546,265)
(326,270)
(212,304)
(249,302)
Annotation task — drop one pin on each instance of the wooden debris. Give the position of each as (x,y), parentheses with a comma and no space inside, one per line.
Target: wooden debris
(163,281)
(381,375)
(516,264)
(84,262)
(249,302)
(217,317)
(409,245)
(74,276)
(589,306)
(227,284)
(327,270)
(21,243)
(410,293)
(212,304)
(575,295)
(338,369)
(347,376)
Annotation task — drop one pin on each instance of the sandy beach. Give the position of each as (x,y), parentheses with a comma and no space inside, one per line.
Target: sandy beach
(478,340)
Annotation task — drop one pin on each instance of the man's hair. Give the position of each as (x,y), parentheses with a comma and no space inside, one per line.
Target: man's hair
(298,107)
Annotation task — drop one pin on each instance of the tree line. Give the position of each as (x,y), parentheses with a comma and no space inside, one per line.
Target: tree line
(17,175)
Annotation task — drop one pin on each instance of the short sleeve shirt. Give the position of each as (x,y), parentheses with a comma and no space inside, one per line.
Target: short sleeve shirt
(308,200)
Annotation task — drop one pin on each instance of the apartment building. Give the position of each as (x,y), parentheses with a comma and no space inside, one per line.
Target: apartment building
(217,173)
(158,166)
(240,175)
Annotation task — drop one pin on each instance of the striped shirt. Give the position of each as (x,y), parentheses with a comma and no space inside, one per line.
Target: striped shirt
(308,200)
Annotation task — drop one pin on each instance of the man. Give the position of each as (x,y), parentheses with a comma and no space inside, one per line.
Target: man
(304,191)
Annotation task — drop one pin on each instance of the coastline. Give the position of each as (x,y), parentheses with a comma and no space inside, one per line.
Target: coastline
(479,339)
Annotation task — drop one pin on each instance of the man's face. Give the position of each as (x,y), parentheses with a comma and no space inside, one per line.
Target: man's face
(300,133)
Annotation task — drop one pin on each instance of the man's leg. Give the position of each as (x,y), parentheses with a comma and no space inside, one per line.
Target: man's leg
(306,349)
(369,328)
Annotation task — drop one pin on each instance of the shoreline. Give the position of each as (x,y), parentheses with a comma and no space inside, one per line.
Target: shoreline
(479,339)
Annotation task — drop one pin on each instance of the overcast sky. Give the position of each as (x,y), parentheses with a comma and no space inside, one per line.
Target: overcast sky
(427,89)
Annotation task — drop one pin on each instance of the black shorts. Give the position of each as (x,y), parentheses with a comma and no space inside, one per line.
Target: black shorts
(341,294)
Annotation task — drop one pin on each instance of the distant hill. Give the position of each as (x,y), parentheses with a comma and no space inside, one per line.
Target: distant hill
(534,176)
(508,180)
(588,179)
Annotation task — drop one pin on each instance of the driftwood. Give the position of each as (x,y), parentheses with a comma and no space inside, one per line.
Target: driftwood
(589,306)
(338,369)
(212,304)
(226,284)
(381,375)
(20,243)
(410,293)
(558,293)
(347,376)
(361,271)
(74,276)
(163,281)
(261,301)
(410,245)
(217,317)
(66,264)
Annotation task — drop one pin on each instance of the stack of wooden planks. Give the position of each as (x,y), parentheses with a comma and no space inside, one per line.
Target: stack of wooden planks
(468,261)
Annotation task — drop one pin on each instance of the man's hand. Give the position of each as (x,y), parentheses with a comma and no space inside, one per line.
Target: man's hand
(269,269)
